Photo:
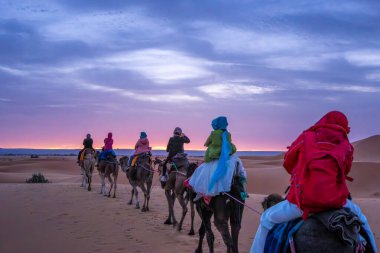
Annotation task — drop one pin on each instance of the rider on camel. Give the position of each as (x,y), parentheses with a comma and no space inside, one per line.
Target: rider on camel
(174,147)
(141,147)
(329,133)
(215,174)
(107,148)
(87,143)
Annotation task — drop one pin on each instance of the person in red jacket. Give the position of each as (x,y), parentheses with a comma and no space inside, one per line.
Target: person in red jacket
(326,153)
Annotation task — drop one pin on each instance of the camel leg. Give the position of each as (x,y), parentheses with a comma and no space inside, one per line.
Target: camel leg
(184,211)
(201,232)
(104,191)
(83,177)
(103,187)
(221,216)
(111,185)
(101,182)
(142,186)
(132,194)
(170,199)
(235,223)
(192,212)
(115,185)
(137,198)
(149,188)
(179,190)
(205,215)
(89,176)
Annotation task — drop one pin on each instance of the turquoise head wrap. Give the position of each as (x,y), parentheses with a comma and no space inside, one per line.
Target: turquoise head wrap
(221,123)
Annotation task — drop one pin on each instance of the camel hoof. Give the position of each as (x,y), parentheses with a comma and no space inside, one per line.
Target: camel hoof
(168,222)
(147,209)
(198,251)
(191,232)
(175,224)
(114,196)
(143,209)
(89,189)
(137,206)
(130,202)
(178,228)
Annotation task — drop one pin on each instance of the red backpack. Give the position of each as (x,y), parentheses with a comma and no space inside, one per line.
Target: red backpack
(321,183)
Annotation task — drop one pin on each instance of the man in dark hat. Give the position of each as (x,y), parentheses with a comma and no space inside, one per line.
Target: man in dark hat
(175,146)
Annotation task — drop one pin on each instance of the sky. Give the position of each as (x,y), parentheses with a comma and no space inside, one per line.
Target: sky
(272,67)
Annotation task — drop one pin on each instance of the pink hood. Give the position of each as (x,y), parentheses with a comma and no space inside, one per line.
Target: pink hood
(108,142)
(142,146)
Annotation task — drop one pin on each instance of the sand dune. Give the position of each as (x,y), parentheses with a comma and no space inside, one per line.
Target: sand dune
(367,150)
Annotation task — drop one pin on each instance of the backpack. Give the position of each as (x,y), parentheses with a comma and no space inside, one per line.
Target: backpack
(321,183)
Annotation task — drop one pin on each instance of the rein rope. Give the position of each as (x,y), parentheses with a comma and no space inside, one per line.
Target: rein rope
(242,203)
(143,167)
(177,171)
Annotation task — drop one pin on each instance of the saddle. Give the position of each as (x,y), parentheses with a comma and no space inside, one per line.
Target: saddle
(134,169)
(82,155)
(180,163)
(343,223)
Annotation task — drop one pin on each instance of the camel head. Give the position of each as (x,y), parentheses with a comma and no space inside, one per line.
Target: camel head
(157,161)
(271,200)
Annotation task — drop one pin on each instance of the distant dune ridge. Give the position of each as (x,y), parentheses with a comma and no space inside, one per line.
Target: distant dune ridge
(367,150)
(53,217)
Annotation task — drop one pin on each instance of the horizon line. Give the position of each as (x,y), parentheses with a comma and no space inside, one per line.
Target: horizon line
(153,149)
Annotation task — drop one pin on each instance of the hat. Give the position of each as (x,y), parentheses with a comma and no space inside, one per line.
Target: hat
(143,135)
(177,131)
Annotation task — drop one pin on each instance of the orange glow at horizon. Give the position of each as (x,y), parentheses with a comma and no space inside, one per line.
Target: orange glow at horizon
(155,147)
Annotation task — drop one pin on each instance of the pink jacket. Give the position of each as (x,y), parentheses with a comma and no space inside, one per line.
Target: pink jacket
(142,146)
(108,142)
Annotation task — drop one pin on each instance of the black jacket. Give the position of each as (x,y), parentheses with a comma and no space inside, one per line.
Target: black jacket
(175,145)
(87,143)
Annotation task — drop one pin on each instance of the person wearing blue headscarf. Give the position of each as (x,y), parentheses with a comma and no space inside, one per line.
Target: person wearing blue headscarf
(215,174)
(215,141)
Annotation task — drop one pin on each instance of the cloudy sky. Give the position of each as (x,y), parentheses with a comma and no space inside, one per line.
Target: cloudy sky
(273,67)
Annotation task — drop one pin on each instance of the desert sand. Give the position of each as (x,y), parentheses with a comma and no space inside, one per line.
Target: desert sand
(62,217)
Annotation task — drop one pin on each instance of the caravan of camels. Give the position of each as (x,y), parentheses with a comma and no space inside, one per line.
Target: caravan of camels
(309,220)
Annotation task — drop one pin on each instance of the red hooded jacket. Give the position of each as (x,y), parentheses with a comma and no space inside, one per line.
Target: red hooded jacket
(319,161)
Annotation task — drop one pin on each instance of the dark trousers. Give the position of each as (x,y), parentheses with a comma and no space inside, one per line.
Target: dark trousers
(167,160)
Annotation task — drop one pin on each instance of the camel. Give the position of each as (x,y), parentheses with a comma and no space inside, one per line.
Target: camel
(140,175)
(313,236)
(134,193)
(109,169)
(224,208)
(175,189)
(87,167)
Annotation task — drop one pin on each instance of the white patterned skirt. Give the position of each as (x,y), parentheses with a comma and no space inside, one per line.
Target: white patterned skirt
(202,176)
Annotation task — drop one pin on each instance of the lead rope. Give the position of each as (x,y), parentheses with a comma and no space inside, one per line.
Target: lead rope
(242,203)
(177,171)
